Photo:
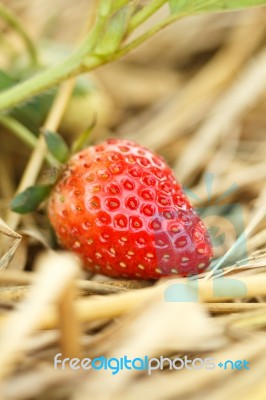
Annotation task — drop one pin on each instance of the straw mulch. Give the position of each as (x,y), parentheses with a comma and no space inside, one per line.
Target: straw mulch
(195,93)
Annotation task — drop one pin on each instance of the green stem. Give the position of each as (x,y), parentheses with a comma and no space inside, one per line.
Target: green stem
(105,7)
(152,31)
(22,133)
(12,20)
(66,69)
(37,83)
(145,13)
(83,58)
(79,61)
(19,130)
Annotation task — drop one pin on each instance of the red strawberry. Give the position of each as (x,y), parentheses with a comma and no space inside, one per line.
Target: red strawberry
(120,208)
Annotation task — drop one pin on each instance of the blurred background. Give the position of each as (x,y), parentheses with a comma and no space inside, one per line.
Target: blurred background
(196,94)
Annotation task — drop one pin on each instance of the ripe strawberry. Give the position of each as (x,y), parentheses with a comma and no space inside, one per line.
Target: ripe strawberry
(120,208)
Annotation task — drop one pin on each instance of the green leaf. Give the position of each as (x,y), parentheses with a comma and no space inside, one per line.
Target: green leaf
(115,31)
(57,146)
(30,199)
(32,114)
(191,6)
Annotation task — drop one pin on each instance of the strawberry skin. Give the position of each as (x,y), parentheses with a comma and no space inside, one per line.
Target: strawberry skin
(118,206)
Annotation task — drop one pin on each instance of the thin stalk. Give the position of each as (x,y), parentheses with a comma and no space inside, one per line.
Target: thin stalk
(83,58)
(152,31)
(51,123)
(19,130)
(37,83)
(145,13)
(34,164)
(64,70)
(24,134)
(13,20)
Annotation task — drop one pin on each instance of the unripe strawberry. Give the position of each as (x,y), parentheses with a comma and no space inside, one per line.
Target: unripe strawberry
(120,208)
